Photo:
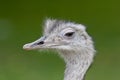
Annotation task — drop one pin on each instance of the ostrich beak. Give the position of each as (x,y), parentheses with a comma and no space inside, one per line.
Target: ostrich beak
(35,45)
(45,42)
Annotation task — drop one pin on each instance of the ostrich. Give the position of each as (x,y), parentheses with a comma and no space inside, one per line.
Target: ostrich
(72,43)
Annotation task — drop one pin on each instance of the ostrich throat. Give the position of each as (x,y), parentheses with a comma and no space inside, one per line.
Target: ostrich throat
(77,64)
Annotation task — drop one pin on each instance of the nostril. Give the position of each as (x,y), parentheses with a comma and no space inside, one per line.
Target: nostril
(41,42)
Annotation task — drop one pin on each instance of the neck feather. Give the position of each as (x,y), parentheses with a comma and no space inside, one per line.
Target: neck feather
(77,64)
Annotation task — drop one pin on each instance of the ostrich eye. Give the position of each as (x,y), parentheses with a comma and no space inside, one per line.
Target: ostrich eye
(69,34)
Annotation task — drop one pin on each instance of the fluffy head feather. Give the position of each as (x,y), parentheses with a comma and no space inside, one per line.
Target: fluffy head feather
(64,35)
(73,44)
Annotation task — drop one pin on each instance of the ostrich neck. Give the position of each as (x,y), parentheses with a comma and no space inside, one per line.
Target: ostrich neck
(76,64)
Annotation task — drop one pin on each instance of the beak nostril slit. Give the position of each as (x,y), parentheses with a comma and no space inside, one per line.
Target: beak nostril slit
(41,42)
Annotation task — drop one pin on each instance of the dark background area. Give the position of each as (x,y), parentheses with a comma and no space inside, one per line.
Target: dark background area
(21,22)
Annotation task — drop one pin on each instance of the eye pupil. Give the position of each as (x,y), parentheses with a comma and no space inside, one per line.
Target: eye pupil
(69,34)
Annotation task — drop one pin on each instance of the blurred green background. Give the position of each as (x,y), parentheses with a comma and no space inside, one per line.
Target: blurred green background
(21,22)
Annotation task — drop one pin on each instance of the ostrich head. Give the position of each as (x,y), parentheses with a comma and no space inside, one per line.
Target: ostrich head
(72,42)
